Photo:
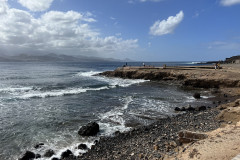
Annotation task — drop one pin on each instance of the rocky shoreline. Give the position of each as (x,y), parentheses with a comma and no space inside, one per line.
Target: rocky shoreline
(160,140)
(154,141)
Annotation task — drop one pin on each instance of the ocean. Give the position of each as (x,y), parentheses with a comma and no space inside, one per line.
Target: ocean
(49,102)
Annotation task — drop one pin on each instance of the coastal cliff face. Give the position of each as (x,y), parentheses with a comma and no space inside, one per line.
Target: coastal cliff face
(196,77)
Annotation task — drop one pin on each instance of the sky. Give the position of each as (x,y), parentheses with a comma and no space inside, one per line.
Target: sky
(144,30)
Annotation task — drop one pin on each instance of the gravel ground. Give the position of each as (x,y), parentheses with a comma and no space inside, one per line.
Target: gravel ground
(153,141)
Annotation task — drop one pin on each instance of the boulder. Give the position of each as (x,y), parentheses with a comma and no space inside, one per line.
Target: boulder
(66,154)
(82,146)
(37,156)
(91,129)
(177,109)
(183,109)
(49,153)
(202,108)
(196,95)
(39,145)
(190,108)
(28,156)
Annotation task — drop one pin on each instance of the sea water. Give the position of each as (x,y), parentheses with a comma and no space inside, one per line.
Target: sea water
(49,102)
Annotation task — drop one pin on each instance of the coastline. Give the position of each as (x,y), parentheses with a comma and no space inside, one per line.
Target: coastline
(159,140)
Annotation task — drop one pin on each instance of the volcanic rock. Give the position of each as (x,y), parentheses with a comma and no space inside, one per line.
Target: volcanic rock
(82,146)
(196,95)
(91,129)
(28,156)
(49,153)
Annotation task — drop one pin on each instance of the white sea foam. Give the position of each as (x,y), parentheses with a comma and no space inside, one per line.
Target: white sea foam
(116,118)
(56,93)
(15,89)
(88,74)
(113,82)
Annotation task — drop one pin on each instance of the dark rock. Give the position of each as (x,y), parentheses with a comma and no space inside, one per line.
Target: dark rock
(91,129)
(38,156)
(96,142)
(82,146)
(55,158)
(49,153)
(177,109)
(28,156)
(183,109)
(196,95)
(39,145)
(66,154)
(202,108)
(117,133)
(189,108)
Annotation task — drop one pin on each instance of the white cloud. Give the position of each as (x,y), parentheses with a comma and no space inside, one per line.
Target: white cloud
(166,26)
(36,5)
(229,2)
(3,6)
(58,32)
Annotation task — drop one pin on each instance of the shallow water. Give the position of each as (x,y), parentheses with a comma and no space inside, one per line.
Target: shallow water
(49,102)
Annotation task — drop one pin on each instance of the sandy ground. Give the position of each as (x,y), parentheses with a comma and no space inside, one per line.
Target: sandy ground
(223,143)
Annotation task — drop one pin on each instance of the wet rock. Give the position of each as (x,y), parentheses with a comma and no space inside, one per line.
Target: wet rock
(82,146)
(96,142)
(196,95)
(39,145)
(117,133)
(190,108)
(183,109)
(91,129)
(28,156)
(49,153)
(37,156)
(66,154)
(177,109)
(202,108)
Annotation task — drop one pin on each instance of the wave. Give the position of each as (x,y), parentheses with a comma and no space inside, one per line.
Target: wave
(114,120)
(56,93)
(88,74)
(113,82)
(16,89)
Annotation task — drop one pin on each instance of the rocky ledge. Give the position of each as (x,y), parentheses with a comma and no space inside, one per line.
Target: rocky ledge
(199,77)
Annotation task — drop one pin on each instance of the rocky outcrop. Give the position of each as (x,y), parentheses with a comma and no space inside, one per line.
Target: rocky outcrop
(49,153)
(67,155)
(139,74)
(28,155)
(188,136)
(91,129)
(195,78)
(39,145)
(82,146)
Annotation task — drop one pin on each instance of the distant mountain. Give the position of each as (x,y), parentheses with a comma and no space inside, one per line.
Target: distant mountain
(52,57)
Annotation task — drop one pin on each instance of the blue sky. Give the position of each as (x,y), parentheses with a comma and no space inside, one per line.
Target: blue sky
(145,30)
